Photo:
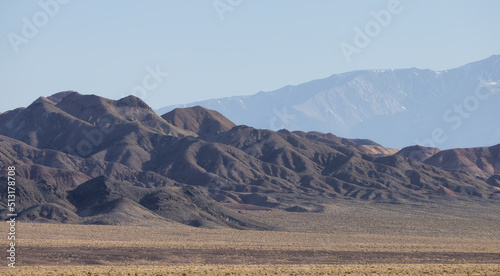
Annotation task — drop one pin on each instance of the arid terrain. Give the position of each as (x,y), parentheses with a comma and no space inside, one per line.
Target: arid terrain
(352,237)
(91,160)
(111,188)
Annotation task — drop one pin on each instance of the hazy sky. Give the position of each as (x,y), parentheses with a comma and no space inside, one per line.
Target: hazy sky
(113,48)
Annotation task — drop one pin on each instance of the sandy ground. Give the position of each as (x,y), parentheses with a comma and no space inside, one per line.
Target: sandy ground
(358,240)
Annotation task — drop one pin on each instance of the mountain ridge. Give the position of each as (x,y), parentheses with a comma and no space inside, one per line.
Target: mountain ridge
(396,107)
(146,168)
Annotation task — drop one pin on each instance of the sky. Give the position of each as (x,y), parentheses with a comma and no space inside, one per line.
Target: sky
(172,52)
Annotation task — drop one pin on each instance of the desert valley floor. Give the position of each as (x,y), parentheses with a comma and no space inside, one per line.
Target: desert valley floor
(349,237)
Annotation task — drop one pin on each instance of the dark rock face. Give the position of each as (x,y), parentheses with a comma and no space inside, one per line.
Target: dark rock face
(87,159)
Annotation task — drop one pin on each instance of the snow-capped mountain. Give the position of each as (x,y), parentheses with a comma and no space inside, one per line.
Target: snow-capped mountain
(396,107)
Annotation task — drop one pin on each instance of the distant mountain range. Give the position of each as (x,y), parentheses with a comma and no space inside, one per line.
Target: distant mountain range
(88,159)
(445,109)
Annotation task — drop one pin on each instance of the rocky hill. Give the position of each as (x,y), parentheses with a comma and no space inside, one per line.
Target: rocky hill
(481,161)
(87,159)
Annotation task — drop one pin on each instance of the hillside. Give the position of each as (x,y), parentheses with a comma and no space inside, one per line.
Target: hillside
(87,159)
(198,120)
(481,161)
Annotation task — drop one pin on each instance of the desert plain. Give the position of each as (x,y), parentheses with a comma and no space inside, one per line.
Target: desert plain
(450,237)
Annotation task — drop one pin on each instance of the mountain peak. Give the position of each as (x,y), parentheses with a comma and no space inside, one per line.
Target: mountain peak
(43,100)
(199,120)
(42,103)
(57,97)
(418,152)
(85,107)
(396,107)
(131,101)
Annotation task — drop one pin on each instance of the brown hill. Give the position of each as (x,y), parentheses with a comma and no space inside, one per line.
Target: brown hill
(483,161)
(121,131)
(62,146)
(94,109)
(418,153)
(199,120)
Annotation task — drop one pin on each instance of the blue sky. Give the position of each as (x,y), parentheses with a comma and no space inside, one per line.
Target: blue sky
(110,48)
